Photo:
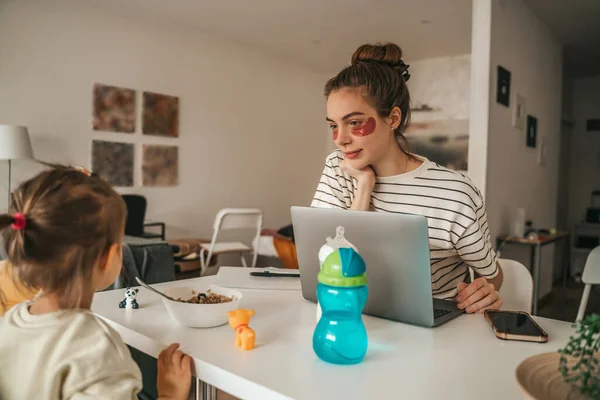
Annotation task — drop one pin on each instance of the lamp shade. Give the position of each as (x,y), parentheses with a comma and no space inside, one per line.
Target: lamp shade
(14,143)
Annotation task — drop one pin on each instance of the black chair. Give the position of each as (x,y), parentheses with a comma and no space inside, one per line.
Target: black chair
(136,215)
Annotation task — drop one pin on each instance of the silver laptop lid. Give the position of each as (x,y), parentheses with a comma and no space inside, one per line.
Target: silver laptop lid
(395,248)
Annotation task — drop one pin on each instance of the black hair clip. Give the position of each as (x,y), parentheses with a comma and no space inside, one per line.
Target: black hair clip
(404,71)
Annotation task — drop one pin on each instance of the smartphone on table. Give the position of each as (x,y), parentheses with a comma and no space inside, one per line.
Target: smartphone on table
(515,325)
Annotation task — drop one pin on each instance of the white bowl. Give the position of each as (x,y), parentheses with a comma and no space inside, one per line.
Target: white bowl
(200,315)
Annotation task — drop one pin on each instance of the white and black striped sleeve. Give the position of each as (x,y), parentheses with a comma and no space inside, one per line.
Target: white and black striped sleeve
(474,246)
(332,191)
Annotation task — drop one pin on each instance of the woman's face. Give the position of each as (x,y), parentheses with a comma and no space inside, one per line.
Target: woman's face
(357,130)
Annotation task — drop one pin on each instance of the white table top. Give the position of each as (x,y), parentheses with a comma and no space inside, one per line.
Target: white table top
(461,359)
(236,278)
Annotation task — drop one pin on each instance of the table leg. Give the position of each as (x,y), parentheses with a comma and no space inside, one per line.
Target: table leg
(566,270)
(532,260)
(536,276)
(204,391)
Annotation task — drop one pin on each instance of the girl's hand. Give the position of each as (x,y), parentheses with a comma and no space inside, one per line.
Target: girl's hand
(174,374)
(365,177)
(478,296)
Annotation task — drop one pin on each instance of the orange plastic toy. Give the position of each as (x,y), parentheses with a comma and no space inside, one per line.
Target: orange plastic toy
(244,335)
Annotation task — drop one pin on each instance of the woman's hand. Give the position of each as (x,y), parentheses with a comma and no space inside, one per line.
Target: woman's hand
(365,177)
(365,180)
(478,296)
(174,374)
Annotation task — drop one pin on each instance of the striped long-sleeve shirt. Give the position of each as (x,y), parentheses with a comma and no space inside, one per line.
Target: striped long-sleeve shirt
(459,236)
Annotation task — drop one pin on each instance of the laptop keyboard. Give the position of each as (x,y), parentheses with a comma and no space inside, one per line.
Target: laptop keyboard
(438,312)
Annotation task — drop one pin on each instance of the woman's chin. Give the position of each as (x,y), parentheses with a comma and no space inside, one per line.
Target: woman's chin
(357,164)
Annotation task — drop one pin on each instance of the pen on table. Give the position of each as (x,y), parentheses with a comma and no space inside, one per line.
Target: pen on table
(269,274)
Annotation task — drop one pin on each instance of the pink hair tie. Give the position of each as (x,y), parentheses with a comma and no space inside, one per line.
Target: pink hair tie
(19,222)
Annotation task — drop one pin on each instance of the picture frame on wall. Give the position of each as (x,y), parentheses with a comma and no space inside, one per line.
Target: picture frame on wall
(531,131)
(160,165)
(503,86)
(113,109)
(519,112)
(113,162)
(160,115)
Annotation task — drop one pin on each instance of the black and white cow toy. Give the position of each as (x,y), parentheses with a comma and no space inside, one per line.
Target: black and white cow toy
(129,301)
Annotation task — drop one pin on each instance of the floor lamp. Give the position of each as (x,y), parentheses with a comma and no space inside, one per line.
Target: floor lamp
(14,144)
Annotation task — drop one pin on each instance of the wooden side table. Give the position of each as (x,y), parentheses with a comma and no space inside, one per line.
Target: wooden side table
(535,246)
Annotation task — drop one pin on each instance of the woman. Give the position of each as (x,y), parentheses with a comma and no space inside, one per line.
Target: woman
(368,111)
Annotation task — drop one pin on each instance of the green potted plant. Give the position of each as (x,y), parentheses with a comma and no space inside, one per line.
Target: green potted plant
(579,360)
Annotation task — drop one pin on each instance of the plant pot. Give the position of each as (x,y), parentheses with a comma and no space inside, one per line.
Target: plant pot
(539,378)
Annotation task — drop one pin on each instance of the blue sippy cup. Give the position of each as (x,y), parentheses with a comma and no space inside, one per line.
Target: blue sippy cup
(340,336)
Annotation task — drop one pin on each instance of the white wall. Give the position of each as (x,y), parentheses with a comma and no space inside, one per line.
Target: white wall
(442,83)
(521,43)
(479,106)
(252,128)
(585,148)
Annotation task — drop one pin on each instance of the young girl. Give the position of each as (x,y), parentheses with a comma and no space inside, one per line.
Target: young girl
(63,236)
(368,109)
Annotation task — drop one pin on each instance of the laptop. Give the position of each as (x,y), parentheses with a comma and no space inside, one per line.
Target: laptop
(395,248)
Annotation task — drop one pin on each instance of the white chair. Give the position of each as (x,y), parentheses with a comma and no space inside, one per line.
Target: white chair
(232,219)
(591,276)
(517,288)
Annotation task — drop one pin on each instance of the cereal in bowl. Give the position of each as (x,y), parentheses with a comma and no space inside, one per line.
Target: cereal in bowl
(207,298)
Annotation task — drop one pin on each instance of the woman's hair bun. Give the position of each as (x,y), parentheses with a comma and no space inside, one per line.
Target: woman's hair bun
(389,54)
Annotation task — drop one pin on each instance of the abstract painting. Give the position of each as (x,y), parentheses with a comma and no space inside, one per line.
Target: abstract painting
(160,115)
(445,142)
(113,161)
(114,109)
(160,165)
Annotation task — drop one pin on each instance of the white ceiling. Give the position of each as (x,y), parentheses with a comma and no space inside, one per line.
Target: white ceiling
(576,23)
(321,34)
